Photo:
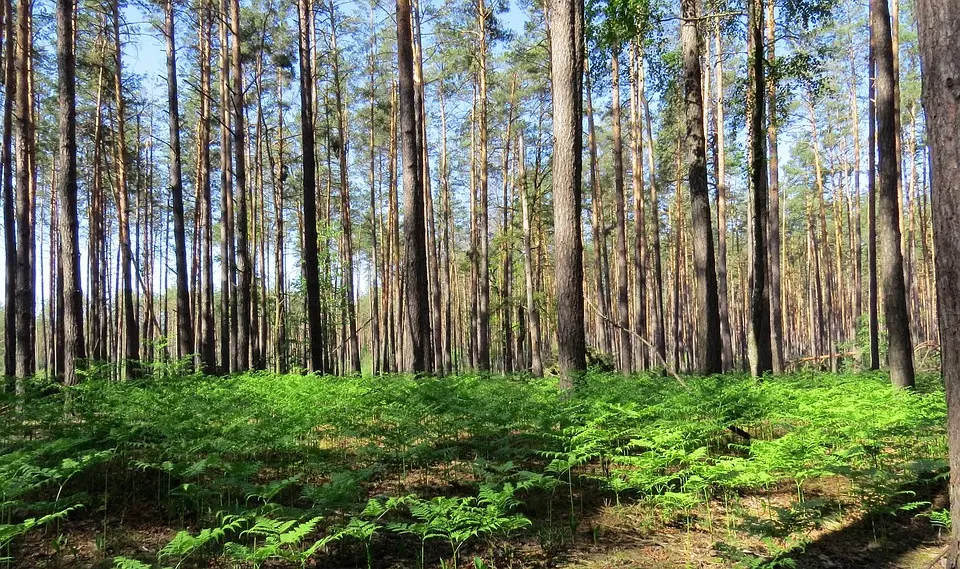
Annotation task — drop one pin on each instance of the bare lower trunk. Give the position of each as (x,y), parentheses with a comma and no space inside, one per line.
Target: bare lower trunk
(709,354)
(900,353)
(566,26)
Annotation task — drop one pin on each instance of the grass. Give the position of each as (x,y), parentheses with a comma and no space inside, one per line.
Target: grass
(262,470)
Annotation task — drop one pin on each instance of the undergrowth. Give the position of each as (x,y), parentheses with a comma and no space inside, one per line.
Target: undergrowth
(262,469)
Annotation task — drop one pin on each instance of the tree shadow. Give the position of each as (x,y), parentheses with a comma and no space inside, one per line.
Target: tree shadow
(882,538)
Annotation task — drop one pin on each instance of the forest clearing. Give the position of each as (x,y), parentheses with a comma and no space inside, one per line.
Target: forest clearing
(810,470)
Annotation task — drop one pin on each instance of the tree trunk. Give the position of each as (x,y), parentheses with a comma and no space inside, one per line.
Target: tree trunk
(418,329)
(874,318)
(131,340)
(566,28)
(623,295)
(900,351)
(352,340)
(939,26)
(446,240)
(720,165)
(483,308)
(639,215)
(601,277)
(659,325)
(826,324)
(207,345)
(310,254)
(244,267)
(228,285)
(24,306)
(533,313)
(506,272)
(773,226)
(9,228)
(184,320)
(759,333)
(72,316)
(374,250)
(709,350)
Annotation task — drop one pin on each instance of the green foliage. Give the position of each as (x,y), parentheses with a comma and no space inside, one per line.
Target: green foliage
(283,468)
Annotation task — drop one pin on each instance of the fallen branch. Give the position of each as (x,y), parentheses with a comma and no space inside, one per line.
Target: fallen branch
(938,557)
(642,339)
(740,432)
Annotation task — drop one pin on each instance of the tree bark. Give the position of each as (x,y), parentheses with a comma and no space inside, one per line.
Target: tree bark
(24,306)
(72,316)
(415,266)
(601,278)
(939,26)
(720,165)
(308,142)
(874,316)
(228,285)
(709,350)
(131,339)
(659,332)
(566,28)
(623,295)
(900,351)
(639,215)
(206,344)
(483,308)
(533,312)
(9,223)
(773,226)
(346,225)
(759,333)
(244,267)
(184,320)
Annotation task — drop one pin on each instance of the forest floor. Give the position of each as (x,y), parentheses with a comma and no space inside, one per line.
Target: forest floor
(810,470)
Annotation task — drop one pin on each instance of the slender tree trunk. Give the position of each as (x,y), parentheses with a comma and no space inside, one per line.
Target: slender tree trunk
(415,273)
(506,272)
(773,226)
(374,250)
(623,295)
(601,280)
(228,292)
(24,305)
(874,324)
(483,225)
(353,340)
(826,326)
(639,216)
(761,359)
(659,317)
(99,289)
(393,294)
(244,267)
(900,352)
(857,225)
(720,165)
(72,316)
(310,253)
(446,240)
(131,340)
(566,28)
(6,165)
(184,320)
(207,345)
(533,313)
(709,350)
